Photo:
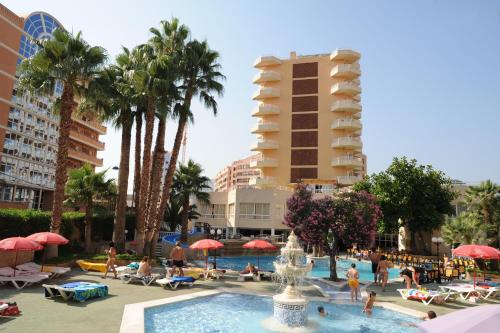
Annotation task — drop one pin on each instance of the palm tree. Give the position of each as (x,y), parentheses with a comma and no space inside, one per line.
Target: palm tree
(484,196)
(200,76)
(173,214)
(467,228)
(85,186)
(189,182)
(71,61)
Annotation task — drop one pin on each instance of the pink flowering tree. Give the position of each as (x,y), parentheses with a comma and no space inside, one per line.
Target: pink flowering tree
(348,218)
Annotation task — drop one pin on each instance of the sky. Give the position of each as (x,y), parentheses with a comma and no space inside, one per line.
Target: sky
(430,70)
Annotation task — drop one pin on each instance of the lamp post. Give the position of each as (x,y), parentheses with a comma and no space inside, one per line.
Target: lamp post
(438,241)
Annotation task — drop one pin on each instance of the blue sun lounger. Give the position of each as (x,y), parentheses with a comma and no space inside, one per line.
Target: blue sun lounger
(78,291)
(174,282)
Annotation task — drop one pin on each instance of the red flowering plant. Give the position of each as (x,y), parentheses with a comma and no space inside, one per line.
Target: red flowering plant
(348,217)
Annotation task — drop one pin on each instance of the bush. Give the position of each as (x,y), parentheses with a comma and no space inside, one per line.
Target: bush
(24,222)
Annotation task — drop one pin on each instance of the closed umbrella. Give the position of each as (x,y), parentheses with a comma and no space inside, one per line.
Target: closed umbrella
(47,238)
(259,245)
(484,318)
(205,245)
(477,252)
(19,244)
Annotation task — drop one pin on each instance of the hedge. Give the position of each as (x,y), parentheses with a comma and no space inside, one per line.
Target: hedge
(24,222)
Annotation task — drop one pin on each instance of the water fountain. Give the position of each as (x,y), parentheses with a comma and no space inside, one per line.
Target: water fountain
(290,307)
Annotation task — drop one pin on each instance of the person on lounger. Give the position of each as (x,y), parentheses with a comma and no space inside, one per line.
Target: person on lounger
(110,264)
(144,267)
(250,269)
(178,256)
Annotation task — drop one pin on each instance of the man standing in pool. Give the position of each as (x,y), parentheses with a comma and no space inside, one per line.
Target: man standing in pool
(374,257)
(178,256)
(353,281)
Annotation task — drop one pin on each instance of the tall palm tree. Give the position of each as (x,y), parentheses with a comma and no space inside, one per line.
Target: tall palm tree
(189,182)
(167,45)
(484,196)
(200,76)
(85,186)
(72,62)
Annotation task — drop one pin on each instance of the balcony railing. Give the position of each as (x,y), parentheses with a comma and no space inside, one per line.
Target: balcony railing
(345,55)
(263,181)
(347,123)
(346,88)
(264,163)
(265,145)
(266,92)
(345,71)
(347,142)
(78,155)
(265,127)
(347,161)
(86,140)
(264,109)
(266,61)
(96,126)
(267,76)
(348,180)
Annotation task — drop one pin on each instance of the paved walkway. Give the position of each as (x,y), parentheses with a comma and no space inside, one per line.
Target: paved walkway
(105,315)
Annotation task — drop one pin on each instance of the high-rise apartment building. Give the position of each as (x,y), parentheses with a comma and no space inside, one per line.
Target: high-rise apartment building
(237,175)
(28,128)
(309,124)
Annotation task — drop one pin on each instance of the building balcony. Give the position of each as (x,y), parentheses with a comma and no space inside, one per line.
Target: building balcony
(347,142)
(265,145)
(346,105)
(264,163)
(263,181)
(347,71)
(80,156)
(347,124)
(74,135)
(265,110)
(94,125)
(348,88)
(267,76)
(347,161)
(348,180)
(266,92)
(266,61)
(265,128)
(348,56)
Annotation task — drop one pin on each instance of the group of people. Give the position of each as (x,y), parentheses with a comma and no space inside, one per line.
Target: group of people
(380,267)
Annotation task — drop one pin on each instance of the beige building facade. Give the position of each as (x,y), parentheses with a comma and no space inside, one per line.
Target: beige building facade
(237,175)
(246,211)
(309,126)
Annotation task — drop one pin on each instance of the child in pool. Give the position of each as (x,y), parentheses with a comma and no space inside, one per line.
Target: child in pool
(369,304)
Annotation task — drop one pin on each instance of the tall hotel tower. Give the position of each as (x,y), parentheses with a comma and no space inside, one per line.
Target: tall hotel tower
(309,124)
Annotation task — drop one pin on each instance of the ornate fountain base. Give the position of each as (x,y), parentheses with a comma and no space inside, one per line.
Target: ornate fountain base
(290,312)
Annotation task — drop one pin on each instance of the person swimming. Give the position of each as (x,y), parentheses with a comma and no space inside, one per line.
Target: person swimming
(368,309)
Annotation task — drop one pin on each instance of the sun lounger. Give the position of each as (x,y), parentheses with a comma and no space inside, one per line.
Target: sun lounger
(128,269)
(92,266)
(425,296)
(145,280)
(21,281)
(243,276)
(174,282)
(77,291)
(466,291)
(53,270)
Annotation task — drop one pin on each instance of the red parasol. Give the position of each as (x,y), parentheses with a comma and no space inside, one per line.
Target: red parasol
(259,244)
(206,244)
(19,244)
(477,252)
(47,238)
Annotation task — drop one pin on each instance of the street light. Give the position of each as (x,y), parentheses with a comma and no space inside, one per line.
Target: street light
(438,241)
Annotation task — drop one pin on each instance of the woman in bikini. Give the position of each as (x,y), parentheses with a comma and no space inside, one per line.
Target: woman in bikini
(382,271)
(410,276)
(110,264)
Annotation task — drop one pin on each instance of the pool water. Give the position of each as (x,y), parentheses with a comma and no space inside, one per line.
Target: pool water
(321,266)
(228,313)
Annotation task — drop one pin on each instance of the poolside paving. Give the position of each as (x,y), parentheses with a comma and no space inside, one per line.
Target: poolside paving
(105,315)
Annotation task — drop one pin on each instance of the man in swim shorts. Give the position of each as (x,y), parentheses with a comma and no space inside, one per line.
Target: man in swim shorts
(374,257)
(353,281)
(178,256)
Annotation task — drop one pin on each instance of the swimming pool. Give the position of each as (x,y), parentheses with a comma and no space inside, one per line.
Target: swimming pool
(244,313)
(321,266)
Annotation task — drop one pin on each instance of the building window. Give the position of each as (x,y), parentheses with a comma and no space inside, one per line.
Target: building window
(231,210)
(257,211)
(6,193)
(213,211)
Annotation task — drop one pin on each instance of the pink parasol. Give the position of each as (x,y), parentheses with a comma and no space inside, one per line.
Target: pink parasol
(259,244)
(477,252)
(47,238)
(19,244)
(206,244)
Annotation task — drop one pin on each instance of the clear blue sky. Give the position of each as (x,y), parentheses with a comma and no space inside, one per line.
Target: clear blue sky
(431,70)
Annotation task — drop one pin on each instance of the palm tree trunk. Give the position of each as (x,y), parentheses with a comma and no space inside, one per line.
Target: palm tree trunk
(67,107)
(145,174)
(137,163)
(184,219)
(121,201)
(88,226)
(155,184)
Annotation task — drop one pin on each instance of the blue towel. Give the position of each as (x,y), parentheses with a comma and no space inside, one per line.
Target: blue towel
(133,265)
(183,279)
(74,284)
(85,290)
